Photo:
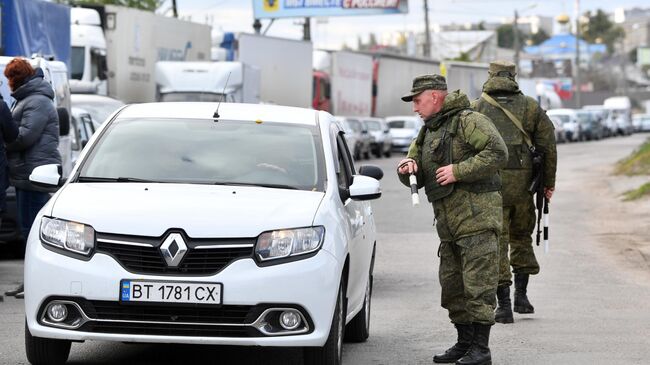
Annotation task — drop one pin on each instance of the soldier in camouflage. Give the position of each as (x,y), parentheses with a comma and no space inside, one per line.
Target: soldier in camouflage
(518,206)
(456,158)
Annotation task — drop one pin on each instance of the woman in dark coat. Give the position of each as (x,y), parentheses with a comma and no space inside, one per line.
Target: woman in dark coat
(36,143)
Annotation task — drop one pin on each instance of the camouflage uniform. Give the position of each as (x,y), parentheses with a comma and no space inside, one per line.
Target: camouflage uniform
(468,212)
(518,206)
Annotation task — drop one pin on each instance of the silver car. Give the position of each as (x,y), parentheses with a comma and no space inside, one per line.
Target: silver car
(382,144)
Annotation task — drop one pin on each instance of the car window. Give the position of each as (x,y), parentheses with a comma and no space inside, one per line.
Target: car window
(355,125)
(373,125)
(401,124)
(346,168)
(99,110)
(77,60)
(563,118)
(208,152)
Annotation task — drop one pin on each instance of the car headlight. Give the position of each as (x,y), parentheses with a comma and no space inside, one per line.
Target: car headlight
(70,236)
(289,242)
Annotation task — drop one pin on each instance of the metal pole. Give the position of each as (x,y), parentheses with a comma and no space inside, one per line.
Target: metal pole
(306,29)
(577,70)
(427,34)
(515,31)
(174,9)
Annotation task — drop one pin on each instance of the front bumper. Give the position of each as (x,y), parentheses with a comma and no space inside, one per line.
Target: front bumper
(310,285)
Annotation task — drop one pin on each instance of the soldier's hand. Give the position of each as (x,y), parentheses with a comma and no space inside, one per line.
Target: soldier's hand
(548,193)
(407,166)
(445,175)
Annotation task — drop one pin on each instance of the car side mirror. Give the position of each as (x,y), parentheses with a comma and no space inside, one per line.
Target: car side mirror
(64,121)
(47,176)
(371,171)
(364,188)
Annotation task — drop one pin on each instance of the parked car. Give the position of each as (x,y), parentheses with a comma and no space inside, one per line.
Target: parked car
(645,123)
(382,144)
(569,119)
(560,134)
(606,117)
(251,228)
(403,129)
(364,140)
(98,106)
(83,127)
(591,127)
(351,138)
(621,109)
(638,121)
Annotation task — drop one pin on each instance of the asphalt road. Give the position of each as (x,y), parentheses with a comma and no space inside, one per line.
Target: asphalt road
(592,303)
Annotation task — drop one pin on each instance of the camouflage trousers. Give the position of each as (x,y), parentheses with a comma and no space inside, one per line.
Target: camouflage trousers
(468,275)
(516,237)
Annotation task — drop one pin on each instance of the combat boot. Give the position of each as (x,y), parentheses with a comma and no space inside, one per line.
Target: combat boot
(522,305)
(479,352)
(464,342)
(503,314)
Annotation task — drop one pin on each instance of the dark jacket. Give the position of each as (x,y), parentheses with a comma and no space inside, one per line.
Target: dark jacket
(8,133)
(38,131)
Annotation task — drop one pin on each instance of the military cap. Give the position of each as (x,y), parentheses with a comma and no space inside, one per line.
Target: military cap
(425,82)
(498,68)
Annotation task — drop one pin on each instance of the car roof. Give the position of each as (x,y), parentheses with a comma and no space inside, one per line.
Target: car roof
(227,111)
(80,98)
(561,112)
(402,117)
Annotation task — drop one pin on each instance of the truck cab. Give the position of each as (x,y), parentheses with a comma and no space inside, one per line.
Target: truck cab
(88,49)
(322,88)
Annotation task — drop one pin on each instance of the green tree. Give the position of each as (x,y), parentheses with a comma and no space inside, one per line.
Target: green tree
(539,37)
(150,5)
(600,29)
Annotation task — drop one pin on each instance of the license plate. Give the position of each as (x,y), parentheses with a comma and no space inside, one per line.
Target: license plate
(170,292)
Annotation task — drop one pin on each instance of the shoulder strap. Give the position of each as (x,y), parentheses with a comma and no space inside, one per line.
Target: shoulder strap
(512,117)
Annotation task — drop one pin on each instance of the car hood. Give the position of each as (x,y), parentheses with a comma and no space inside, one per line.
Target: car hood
(402,133)
(202,211)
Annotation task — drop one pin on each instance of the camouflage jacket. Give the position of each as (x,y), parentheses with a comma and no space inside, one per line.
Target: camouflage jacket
(477,151)
(518,172)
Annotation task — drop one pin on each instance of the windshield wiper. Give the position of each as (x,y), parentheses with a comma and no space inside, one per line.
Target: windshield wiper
(277,186)
(113,179)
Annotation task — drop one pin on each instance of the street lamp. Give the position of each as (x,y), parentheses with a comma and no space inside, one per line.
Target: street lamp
(516,32)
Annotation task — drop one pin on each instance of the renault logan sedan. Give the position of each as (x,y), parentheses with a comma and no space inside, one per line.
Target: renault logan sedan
(247,225)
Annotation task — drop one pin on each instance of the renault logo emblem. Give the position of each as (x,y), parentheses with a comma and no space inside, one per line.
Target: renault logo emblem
(173,249)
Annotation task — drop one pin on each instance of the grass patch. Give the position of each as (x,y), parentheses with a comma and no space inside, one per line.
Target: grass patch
(638,163)
(635,194)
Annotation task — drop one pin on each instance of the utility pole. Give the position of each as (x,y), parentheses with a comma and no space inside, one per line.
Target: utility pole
(576,80)
(515,32)
(427,34)
(174,9)
(306,29)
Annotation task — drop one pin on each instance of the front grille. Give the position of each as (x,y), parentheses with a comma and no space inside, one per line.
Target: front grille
(148,260)
(210,321)
(234,314)
(169,329)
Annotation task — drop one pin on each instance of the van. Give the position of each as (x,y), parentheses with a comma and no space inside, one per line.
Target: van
(621,110)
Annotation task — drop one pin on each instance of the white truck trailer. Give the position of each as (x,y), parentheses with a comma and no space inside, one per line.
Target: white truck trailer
(233,82)
(285,68)
(343,83)
(134,41)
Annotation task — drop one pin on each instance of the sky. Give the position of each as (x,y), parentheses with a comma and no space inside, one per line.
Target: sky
(332,33)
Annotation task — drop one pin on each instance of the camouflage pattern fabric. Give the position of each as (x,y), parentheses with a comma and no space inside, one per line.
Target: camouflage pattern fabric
(468,220)
(518,223)
(519,211)
(468,277)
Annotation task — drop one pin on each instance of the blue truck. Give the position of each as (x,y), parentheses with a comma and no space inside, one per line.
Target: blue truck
(31,27)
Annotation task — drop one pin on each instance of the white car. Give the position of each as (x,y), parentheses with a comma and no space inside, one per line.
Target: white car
(180,223)
(383,142)
(403,130)
(569,118)
(98,106)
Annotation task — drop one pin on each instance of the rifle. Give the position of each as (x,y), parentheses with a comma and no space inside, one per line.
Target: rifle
(537,187)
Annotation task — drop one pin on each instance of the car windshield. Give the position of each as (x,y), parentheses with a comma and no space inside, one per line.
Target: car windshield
(399,124)
(207,152)
(99,110)
(193,96)
(373,125)
(583,118)
(354,125)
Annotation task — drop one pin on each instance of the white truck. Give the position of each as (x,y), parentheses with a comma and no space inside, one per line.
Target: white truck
(285,68)
(621,109)
(342,83)
(207,81)
(134,40)
(469,77)
(393,78)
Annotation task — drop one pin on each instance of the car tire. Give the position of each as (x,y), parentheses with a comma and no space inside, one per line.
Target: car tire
(358,330)
(388,152)
(45,351)
(332,352)
(366,155)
